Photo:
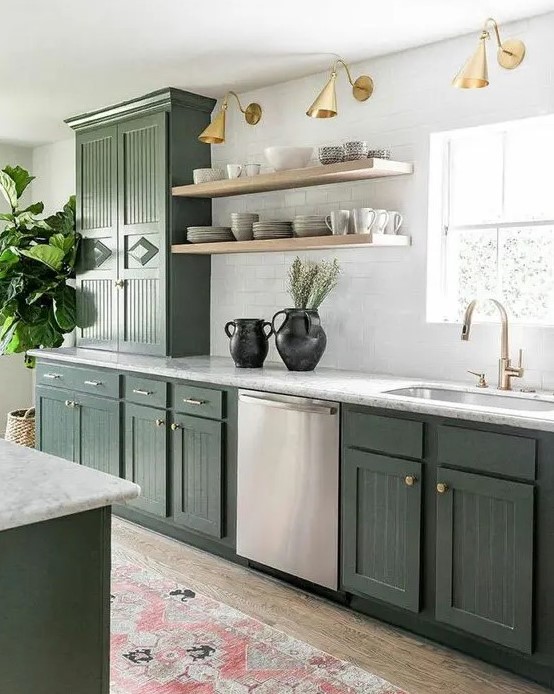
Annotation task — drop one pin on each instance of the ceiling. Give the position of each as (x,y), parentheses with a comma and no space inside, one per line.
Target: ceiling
(62,58)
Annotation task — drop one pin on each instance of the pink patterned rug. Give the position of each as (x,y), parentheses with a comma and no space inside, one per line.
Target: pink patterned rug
(167,639)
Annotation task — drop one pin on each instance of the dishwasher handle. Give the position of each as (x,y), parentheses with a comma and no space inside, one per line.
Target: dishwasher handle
(293,407)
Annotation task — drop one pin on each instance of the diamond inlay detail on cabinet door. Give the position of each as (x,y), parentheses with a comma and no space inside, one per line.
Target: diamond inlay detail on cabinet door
(101,253)
(143,251)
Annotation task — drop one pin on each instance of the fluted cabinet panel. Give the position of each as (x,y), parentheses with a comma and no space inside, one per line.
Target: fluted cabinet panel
(95,310)
(146,456)
(97,183)
(485,556)
(141,323)
(56,427)
(98,440)
(140,175)
(381,527)
(197,474)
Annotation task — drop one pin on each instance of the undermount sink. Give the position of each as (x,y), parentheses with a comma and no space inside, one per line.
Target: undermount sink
(478,399)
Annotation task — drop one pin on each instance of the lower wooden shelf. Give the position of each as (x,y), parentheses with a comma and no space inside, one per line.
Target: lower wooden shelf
(293,244)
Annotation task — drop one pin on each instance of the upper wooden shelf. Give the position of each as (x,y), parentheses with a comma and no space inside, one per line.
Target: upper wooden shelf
(359,170)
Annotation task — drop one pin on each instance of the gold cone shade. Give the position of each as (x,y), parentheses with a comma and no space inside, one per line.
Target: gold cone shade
(214,134)
(474,73)
(325,106)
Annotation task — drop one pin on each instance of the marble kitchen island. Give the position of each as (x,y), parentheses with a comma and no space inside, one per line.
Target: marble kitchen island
(55,519)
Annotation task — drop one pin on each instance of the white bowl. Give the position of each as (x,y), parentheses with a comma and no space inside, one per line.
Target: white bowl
(282,158)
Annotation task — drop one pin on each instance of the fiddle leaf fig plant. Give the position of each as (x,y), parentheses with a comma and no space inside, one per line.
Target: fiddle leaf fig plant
(37,258)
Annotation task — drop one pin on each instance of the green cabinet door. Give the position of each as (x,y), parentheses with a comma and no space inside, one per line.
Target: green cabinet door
(143,197)
(197,474)
(381,527)
(484,557)
(98,253)
(146,456)
(97,441)
(55,422)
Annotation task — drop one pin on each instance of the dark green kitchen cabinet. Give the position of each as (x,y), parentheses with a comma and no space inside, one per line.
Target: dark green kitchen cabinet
(145,458)
(381,527)
(55,422)
(79,427)
(133,295)
(484,556)
(97,426)
(197,448)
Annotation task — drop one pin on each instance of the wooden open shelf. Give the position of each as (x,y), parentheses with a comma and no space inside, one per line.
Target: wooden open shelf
(293,244)
(360,170)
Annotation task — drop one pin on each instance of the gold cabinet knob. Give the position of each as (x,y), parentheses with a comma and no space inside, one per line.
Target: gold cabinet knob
(160,422)
(442,487)
(174,427)
(410,480)
(119,283)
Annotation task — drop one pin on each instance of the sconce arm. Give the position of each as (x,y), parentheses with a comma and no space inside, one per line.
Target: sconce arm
(236,97)
(486,34)
(341,61)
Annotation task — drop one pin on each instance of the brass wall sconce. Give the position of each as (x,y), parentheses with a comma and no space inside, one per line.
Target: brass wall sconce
(325,106)
(214,134)
(474,74)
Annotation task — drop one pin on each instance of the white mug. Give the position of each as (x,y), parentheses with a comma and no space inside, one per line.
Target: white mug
(381,220)
(394,223)
(234,170)
(252,169)
(338,221)
(363,219)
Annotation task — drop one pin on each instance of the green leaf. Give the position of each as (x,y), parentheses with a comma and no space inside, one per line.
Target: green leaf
(8,188)
(65,309)
(35,208)
(7,338)
(7,260)
(64,221)
(49,255)
(7,217)
(20,177)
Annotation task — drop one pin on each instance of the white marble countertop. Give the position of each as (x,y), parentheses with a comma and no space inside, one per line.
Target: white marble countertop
(352,387)
(36,487)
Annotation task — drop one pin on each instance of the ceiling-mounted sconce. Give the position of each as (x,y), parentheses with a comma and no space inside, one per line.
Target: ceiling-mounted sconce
(325,106)
(474,73)
(214,134)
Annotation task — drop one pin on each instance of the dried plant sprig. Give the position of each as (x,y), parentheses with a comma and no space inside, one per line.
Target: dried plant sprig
(309,283)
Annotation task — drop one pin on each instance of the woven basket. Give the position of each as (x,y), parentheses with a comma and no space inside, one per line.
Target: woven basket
(21,427)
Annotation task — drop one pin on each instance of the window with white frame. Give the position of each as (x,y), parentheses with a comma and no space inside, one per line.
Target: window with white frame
(491,218)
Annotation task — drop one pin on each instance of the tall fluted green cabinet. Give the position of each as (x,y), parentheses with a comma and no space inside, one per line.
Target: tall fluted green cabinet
(133,295)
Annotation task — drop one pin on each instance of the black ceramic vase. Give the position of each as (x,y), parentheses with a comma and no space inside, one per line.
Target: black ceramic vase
(300,340)
(248,341)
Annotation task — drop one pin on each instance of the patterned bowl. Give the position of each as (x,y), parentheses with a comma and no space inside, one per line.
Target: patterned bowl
(354,150)
(207,175)
(378,154)
(331,154)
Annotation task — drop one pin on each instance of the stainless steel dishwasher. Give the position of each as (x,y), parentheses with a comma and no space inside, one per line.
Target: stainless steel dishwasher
(288,485)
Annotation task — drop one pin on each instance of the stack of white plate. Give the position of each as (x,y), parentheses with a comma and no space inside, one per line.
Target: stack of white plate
(209,234)
(241,225)
(272,229)
(310,225)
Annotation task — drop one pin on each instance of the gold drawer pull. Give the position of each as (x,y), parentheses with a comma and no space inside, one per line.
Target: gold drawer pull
(160,422)
(174,426)
(138,391)
(93,383)
(410,480)
(194,401)
(51,376)
(442,487)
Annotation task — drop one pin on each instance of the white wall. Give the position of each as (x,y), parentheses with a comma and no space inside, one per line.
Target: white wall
(16,381)
(54,168)
(376,319)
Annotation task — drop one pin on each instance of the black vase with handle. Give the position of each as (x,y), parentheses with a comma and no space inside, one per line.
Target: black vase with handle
(248,341)
(300,340)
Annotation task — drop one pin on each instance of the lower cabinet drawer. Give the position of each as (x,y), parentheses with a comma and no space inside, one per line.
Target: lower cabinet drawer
(487,452)
(145,391)
(390,435)
(104,383)
(200,401)
(52,374)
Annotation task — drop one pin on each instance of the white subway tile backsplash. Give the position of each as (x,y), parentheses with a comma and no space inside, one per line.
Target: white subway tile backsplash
(375,320)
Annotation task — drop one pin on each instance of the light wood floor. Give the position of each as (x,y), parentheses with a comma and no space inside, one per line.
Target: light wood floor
(407,661)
